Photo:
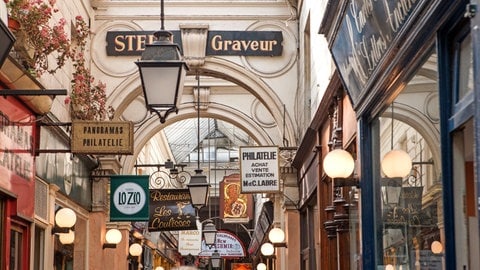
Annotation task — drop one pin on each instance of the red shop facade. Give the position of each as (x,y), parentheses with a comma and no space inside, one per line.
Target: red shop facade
(17,182)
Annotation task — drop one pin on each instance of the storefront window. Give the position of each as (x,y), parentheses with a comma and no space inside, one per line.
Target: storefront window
(460,145)
(411,201)
(16,248)
(39,250)
(2,224)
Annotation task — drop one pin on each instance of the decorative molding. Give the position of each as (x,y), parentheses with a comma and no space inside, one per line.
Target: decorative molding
(194,42)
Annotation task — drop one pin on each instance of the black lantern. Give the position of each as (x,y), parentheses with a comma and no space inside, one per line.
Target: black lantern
(216,259)
(162,72)
(199,189)
(209,233)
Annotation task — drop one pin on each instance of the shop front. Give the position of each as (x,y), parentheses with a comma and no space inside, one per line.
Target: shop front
(17,178)
(408,68)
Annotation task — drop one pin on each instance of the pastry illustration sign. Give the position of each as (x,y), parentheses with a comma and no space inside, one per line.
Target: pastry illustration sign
(259,169)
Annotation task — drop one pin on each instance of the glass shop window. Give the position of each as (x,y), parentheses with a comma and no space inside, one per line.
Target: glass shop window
(16,248)
(39,248)
(409,185)
(2,229)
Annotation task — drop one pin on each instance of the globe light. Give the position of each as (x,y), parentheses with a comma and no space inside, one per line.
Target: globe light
(276,235)
(396,164)
(261,266)
(267,249)
(338,163)
(66,238)
(65,218)
(436,247)
(389,267)
(113,236)
(135,249)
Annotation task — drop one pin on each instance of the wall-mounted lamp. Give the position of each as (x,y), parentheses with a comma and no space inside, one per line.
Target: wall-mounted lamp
(112,238)
(277,237)
(339,165)
(261,266)
(267,249)
(162,72)
(159,268)
(389,267)
(135,250)
(67,238)
(65,219)
(396,163)
(436,247)
(209,233)
(216,259)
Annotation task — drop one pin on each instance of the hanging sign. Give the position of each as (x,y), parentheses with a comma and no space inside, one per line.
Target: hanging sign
(259,171)
(128,197)
(235,207)
(102,137)
(190,241)
(227,244)
(171,210)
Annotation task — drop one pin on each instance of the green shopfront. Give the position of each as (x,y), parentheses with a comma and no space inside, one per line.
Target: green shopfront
(411,71)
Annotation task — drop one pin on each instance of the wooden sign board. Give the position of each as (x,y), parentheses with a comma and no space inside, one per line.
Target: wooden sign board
(98,137)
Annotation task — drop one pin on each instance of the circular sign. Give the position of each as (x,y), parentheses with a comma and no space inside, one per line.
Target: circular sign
(129,198)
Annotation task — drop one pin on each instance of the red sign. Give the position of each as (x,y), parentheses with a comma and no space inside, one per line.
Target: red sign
(235,207)
(17,133)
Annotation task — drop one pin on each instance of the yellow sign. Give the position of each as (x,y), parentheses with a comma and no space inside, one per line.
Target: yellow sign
(94,137)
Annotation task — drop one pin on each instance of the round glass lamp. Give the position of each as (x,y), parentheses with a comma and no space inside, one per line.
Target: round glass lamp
(135,249)
(66,238)
(159,268)
(396,164)
(267,249)
(261,266)
(338,163)
(436,247)
(389,267)
(113,236)
(65,218)
(276,235)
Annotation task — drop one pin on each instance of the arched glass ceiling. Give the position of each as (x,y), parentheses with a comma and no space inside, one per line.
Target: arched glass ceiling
(216,136)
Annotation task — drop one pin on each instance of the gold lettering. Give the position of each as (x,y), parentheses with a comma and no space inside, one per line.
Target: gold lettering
(254,45)
(141,39)
(217,45)
(130,42)
(226,44)
(119,43)
(237,45)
